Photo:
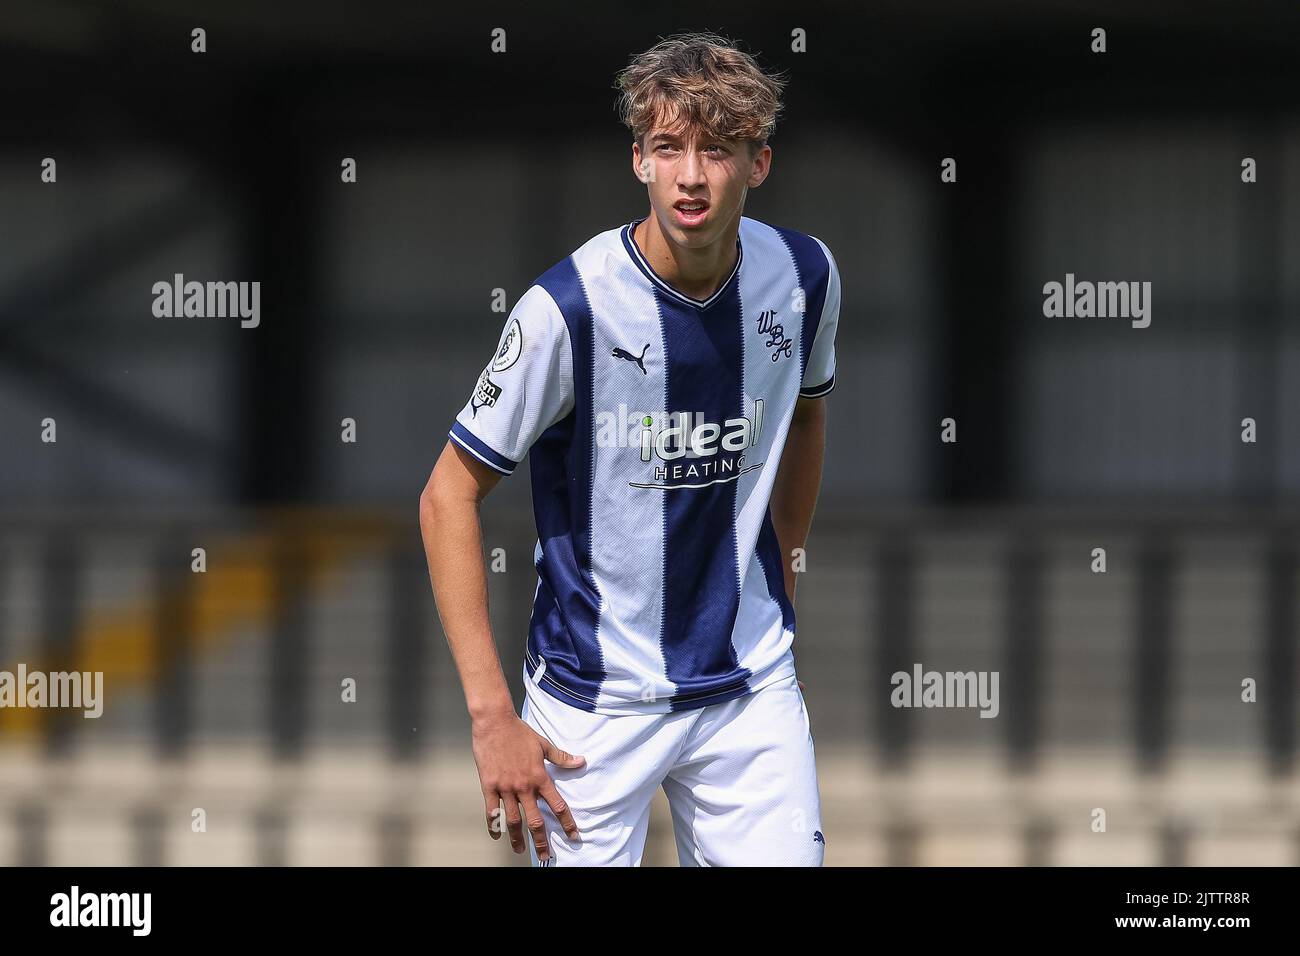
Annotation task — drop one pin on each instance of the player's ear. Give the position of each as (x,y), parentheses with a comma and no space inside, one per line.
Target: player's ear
(640,166)
(761,167)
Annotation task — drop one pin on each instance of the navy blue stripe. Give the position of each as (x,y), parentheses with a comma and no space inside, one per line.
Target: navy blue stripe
(814,272)
(485,452)
(723,694)
(704,363)
(566,612)
(817,391)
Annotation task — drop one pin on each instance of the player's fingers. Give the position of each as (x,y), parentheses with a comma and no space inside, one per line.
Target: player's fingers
(558,757)
(514,823)
(800,683)
(494,813)
(560,809)
(536,826)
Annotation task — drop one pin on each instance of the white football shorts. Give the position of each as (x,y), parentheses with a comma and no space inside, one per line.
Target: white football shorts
(740,777)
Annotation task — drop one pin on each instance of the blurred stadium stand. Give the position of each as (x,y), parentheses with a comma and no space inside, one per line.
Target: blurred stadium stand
(1119,691)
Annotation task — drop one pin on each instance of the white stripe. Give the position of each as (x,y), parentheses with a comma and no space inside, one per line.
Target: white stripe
(759,636)
(627,546)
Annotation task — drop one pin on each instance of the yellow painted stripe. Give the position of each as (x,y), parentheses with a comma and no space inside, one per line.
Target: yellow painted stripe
(236,590)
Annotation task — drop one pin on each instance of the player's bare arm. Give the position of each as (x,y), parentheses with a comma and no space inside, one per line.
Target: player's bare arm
(794,495)
(509,754)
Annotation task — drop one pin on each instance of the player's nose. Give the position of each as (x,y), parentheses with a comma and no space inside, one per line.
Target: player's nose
(690,171)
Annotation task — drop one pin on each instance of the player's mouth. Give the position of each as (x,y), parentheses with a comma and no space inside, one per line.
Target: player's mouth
(691,212)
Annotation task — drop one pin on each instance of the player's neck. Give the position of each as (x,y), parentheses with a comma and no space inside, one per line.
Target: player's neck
(697,273)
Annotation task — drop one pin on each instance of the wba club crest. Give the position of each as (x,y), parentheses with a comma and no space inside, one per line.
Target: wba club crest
(775,332)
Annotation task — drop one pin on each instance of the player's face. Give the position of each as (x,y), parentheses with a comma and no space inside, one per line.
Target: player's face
(697,183)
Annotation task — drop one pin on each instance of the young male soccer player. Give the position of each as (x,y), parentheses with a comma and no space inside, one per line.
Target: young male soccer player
(667,381)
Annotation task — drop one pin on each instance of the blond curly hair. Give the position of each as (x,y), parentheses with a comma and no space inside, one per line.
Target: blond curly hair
(699,81)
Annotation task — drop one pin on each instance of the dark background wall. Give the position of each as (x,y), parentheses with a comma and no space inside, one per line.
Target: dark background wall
(477,170)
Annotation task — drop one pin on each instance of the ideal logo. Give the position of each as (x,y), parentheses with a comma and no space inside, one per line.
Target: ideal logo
(714,453)
(702,441)
(775,332)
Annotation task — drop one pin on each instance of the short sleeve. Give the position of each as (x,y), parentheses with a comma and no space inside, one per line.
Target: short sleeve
(819,375)
(525,389)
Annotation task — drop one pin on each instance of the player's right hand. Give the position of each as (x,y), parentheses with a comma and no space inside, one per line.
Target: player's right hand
(509,755)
